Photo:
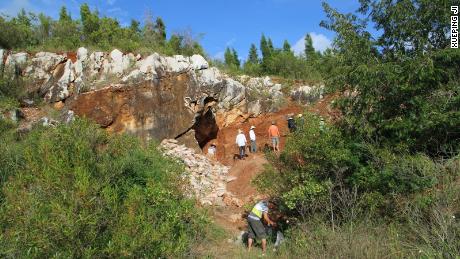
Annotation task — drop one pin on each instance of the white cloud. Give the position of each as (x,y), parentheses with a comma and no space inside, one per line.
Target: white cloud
(320,42)
(111,2)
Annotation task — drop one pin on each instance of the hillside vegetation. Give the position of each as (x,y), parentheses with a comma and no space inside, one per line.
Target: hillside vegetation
(387,173)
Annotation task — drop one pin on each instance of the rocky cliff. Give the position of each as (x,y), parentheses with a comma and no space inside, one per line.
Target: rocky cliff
(149,96)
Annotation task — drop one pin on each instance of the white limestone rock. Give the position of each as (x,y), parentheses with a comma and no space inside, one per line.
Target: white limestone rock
(118,62)
(96,60)
(254,108)
(82,54)
(209,77)
(149,65)
(16,59)
(307,94)
(43,64)
(60,91)
(233,93)
(197,62)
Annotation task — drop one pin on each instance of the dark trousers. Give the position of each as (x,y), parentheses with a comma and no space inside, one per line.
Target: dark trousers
(253,146)
(242,150)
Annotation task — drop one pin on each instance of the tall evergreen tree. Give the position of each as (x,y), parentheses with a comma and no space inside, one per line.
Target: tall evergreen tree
(253,57)
(309,49)
(89,20)
(286,46)
(264,48)
(64,16)
(160,30)
(228,56)
(236,60)
(134,27)
(270,46)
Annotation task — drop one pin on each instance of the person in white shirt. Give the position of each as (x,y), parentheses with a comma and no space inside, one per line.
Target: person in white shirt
(212,150)
(252,138)
(241,142)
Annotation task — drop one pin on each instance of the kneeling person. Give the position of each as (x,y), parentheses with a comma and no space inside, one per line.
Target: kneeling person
(256,227)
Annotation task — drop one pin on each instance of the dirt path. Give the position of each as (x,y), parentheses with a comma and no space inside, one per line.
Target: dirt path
(232,218)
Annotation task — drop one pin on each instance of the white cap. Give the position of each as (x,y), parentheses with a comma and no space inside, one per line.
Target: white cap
(253,127)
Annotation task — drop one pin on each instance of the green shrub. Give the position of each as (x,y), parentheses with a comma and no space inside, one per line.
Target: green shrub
(73,191)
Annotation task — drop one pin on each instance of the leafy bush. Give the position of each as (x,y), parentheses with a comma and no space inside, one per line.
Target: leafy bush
(73,191)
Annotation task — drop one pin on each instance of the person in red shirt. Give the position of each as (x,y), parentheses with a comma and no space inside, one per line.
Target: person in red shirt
(274,135)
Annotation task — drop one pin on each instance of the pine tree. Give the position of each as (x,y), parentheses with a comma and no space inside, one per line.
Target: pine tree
(286,46)
(89,20)
(253,57)
(264,48)
(134,27)
(309,49)
(160,30)
(64,16)
(228,56)
(270,46)
(236,60)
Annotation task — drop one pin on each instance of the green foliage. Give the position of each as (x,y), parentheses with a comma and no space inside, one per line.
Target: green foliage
(253,57)
(407,95)
(73,191)
(11,91)
(231,58)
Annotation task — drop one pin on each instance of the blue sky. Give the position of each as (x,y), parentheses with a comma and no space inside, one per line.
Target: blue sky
(222,23)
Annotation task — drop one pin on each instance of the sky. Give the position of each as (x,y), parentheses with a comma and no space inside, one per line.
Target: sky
(218,23)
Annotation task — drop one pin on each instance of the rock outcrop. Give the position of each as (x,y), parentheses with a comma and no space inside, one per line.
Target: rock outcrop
(152,97)
(307,94)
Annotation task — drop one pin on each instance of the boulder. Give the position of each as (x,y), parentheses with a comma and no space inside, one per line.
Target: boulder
(60,91)
(119,62)
(197,62)
(16,59)
(82,54)
(307,94)
(254,108)
(43,64)
(149,66)
(96,60)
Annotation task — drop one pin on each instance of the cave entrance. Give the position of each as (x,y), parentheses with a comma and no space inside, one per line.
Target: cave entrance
(205,126)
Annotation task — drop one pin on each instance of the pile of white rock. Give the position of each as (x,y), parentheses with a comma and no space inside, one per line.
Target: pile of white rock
(207,177)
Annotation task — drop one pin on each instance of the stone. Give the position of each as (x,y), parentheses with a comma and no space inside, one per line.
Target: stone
(42,65)
(149,64)
(82,54)
(60,91)
(201,172)
(198,62)
(16,59)
(68,117)
(254,108)
(95,62)
(117,62)
(175,64)
(134,76)
(209,77)
(307,94)
(231,179)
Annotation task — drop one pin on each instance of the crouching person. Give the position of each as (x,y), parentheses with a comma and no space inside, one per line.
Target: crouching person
(256,227)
